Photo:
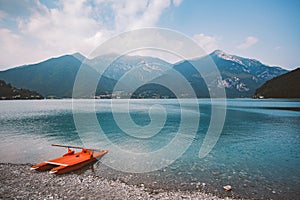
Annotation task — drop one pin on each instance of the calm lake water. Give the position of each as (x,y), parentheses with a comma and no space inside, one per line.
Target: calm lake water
(257,153)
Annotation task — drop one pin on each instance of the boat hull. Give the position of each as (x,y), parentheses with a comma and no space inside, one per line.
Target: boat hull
(66,169)
(69,162)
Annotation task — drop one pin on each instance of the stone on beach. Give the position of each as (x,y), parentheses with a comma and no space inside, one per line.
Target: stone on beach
(227,187)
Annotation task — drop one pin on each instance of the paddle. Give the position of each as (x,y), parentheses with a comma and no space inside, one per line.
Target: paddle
(74,147)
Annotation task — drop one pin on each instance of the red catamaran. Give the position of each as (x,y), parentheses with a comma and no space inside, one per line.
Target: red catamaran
(70,161)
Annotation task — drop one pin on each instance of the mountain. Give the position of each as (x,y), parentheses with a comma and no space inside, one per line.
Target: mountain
(239,76)
(130,70)
(245,65)
(8,92)
(56,76)
(242,76)
(144,76)
(283,86)
(53,77)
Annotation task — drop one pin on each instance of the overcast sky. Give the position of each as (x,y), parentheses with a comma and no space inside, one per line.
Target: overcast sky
(34,30)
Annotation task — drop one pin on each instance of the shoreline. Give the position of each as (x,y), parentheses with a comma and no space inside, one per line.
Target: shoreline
(17,181)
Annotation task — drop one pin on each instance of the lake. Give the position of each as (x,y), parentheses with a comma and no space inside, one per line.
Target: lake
(157,141)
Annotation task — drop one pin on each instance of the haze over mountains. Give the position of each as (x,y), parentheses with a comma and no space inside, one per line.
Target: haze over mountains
(55,77)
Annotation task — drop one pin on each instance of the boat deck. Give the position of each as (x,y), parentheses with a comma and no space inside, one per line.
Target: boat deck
(70,159)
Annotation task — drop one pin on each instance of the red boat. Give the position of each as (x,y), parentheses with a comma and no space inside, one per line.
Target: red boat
(70,161)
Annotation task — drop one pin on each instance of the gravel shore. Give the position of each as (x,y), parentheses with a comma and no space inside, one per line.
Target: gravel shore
(18,182)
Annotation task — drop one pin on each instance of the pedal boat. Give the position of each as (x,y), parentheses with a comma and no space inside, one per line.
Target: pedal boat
(70,161)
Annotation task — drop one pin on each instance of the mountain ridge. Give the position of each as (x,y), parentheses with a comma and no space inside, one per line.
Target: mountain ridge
(240,77)
(283,86)
(52,77)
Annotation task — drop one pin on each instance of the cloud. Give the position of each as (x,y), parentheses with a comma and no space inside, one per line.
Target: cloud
(136,14)
(177,2)
(17,50)
(208,43)
(249,42)
(66,29)
(70,26)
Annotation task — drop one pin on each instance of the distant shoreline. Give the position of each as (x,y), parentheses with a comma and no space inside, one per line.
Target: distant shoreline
(294,99)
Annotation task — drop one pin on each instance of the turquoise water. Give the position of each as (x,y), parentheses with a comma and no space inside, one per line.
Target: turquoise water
(258,151)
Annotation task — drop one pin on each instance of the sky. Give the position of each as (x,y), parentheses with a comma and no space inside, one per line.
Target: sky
(35,30)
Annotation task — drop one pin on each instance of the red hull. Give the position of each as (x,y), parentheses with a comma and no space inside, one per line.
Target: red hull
(69,162)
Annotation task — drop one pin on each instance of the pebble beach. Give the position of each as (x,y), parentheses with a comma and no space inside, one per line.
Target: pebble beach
(18,182)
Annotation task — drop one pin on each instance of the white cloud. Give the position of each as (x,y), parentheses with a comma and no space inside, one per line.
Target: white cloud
(66,29)
(137,13)
(177,2)
(17,50)
(249,42)
(72,26)
(208,43)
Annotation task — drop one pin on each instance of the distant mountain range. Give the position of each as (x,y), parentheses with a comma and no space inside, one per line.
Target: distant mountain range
(55,77)
(8,92)
(284,86)
(239,76)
